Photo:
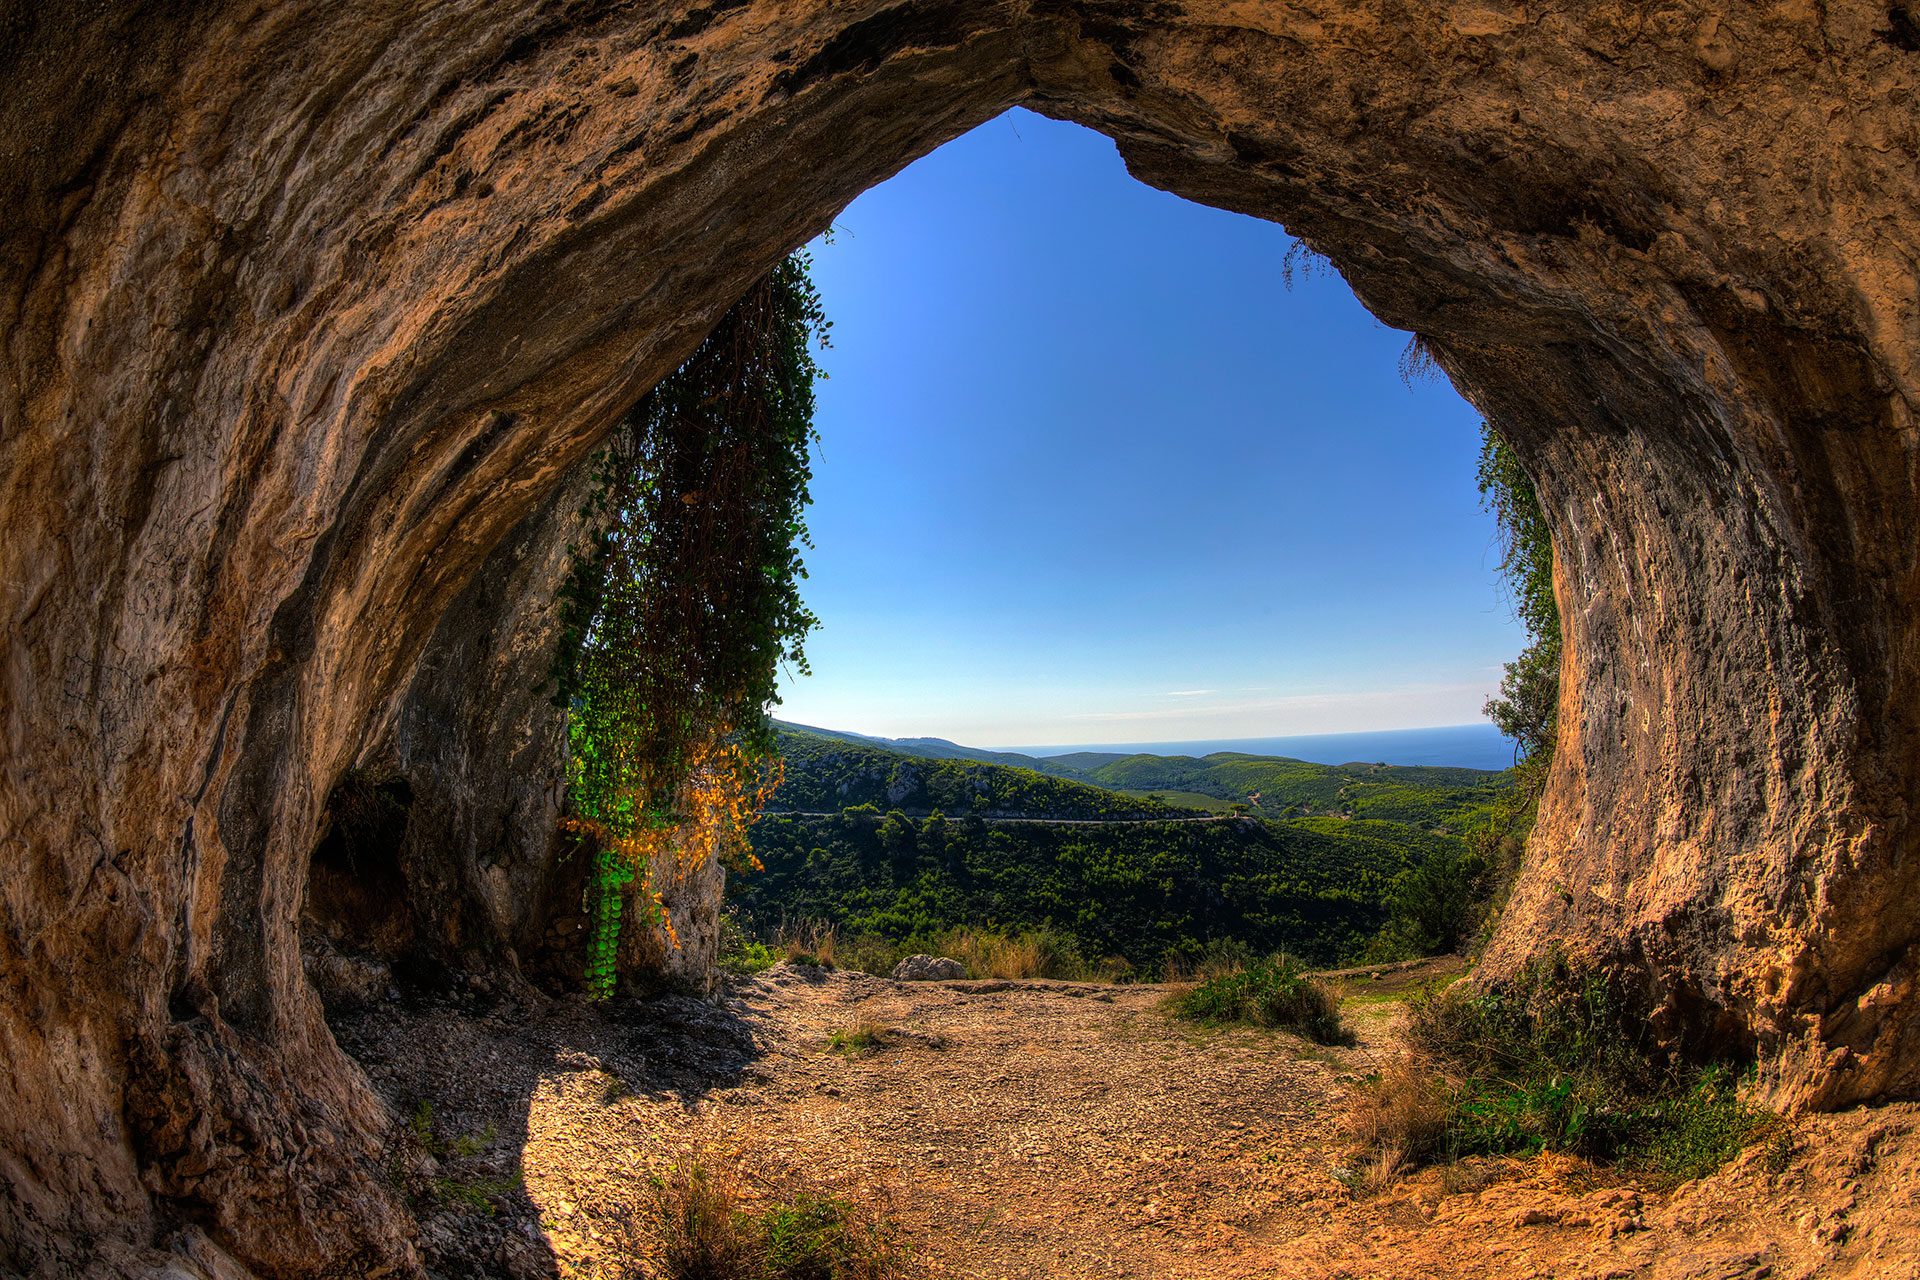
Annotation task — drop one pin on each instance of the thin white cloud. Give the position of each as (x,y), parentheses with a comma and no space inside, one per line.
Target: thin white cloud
(1187,693)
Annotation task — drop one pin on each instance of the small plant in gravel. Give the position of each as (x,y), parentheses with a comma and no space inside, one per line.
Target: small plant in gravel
(822,1238)
(1271,993)
(863,1035)
(438,1180)
(808,942)
(705,1234)
(476,1195)
(1556,1060)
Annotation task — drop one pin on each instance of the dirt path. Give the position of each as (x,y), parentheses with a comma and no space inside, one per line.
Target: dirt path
(1043,1129)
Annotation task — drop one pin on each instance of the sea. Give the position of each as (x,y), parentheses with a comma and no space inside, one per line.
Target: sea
(1459,746)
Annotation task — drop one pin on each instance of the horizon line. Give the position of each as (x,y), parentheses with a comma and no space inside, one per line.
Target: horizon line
(1268,737)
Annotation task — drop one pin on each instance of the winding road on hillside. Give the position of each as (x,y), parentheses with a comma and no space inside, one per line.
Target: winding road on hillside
(1053,822)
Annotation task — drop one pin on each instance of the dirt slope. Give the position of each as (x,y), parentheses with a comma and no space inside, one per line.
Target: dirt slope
(1043,1129)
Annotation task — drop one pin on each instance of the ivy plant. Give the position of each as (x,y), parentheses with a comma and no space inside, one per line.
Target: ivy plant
(682,601)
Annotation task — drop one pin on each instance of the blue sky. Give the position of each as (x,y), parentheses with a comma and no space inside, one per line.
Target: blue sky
(1089,472)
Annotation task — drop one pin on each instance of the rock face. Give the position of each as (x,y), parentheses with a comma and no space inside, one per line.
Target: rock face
(308,307)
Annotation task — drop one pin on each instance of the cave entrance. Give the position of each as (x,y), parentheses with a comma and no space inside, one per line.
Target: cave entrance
(1107,469)
(309,354)
(357,924)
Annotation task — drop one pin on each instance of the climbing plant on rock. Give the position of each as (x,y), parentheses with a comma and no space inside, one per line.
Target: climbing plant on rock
(683,600)
(1529,699)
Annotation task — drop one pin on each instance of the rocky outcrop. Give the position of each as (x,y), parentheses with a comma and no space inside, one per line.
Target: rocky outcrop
(926,968)
(308,307)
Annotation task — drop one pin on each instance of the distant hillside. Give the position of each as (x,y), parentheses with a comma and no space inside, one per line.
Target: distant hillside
(931,748)
(1080,761)
(828,774)
(852,839)
(1139,890)
(1419,795)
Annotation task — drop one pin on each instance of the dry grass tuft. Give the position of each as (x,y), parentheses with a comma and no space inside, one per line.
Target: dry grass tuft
(1399,1117)
(1218,959)
(703,1235)
(701,1231)
(1038,953)
(808,942)
(989,955)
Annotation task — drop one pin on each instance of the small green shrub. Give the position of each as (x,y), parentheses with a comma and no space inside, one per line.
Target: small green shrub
(705,1235)
(1270,993)
(742,953)
(1557,1060)
(863,1035)
(818,1238)
(1705,1127)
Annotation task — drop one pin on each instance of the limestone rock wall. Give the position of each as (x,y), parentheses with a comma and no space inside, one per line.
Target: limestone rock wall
(481,748)
(308,306)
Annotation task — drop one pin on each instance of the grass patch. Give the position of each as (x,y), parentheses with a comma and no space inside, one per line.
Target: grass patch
(1555,1061)
(987,952)
(1026,953)
(704,1233)
(1268,993)
(865,1034)
(1183,799)
(808,942)
(440,1180)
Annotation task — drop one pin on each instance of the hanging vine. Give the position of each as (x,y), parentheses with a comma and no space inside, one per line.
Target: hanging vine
(684,600)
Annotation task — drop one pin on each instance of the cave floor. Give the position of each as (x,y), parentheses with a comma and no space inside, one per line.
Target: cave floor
(1050,1129)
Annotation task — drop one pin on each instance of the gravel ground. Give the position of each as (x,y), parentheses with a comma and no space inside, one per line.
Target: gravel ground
(1050,1129)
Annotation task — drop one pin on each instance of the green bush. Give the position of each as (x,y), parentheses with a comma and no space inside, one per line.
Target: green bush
(742,953)
(703,1234)
(1560,1060)
(819,1238)
(1435,903)
(1272,993)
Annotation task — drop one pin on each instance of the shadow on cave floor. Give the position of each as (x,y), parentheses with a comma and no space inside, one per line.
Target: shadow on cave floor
(474,1083)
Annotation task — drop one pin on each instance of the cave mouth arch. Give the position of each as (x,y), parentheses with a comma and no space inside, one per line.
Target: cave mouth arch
(320,315)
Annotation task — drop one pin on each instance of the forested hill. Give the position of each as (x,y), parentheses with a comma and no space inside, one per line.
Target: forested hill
(1423,796)
(932,749)
(903,846)
(1140,890)
(829,770)
(828,775)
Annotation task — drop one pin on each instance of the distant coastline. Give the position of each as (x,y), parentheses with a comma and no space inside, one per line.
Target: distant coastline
(1460,746)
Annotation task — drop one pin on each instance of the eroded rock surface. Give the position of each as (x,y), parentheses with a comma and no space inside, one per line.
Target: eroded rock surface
(309,306)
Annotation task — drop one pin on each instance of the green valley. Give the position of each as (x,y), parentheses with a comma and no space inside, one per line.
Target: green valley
(1268,854)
